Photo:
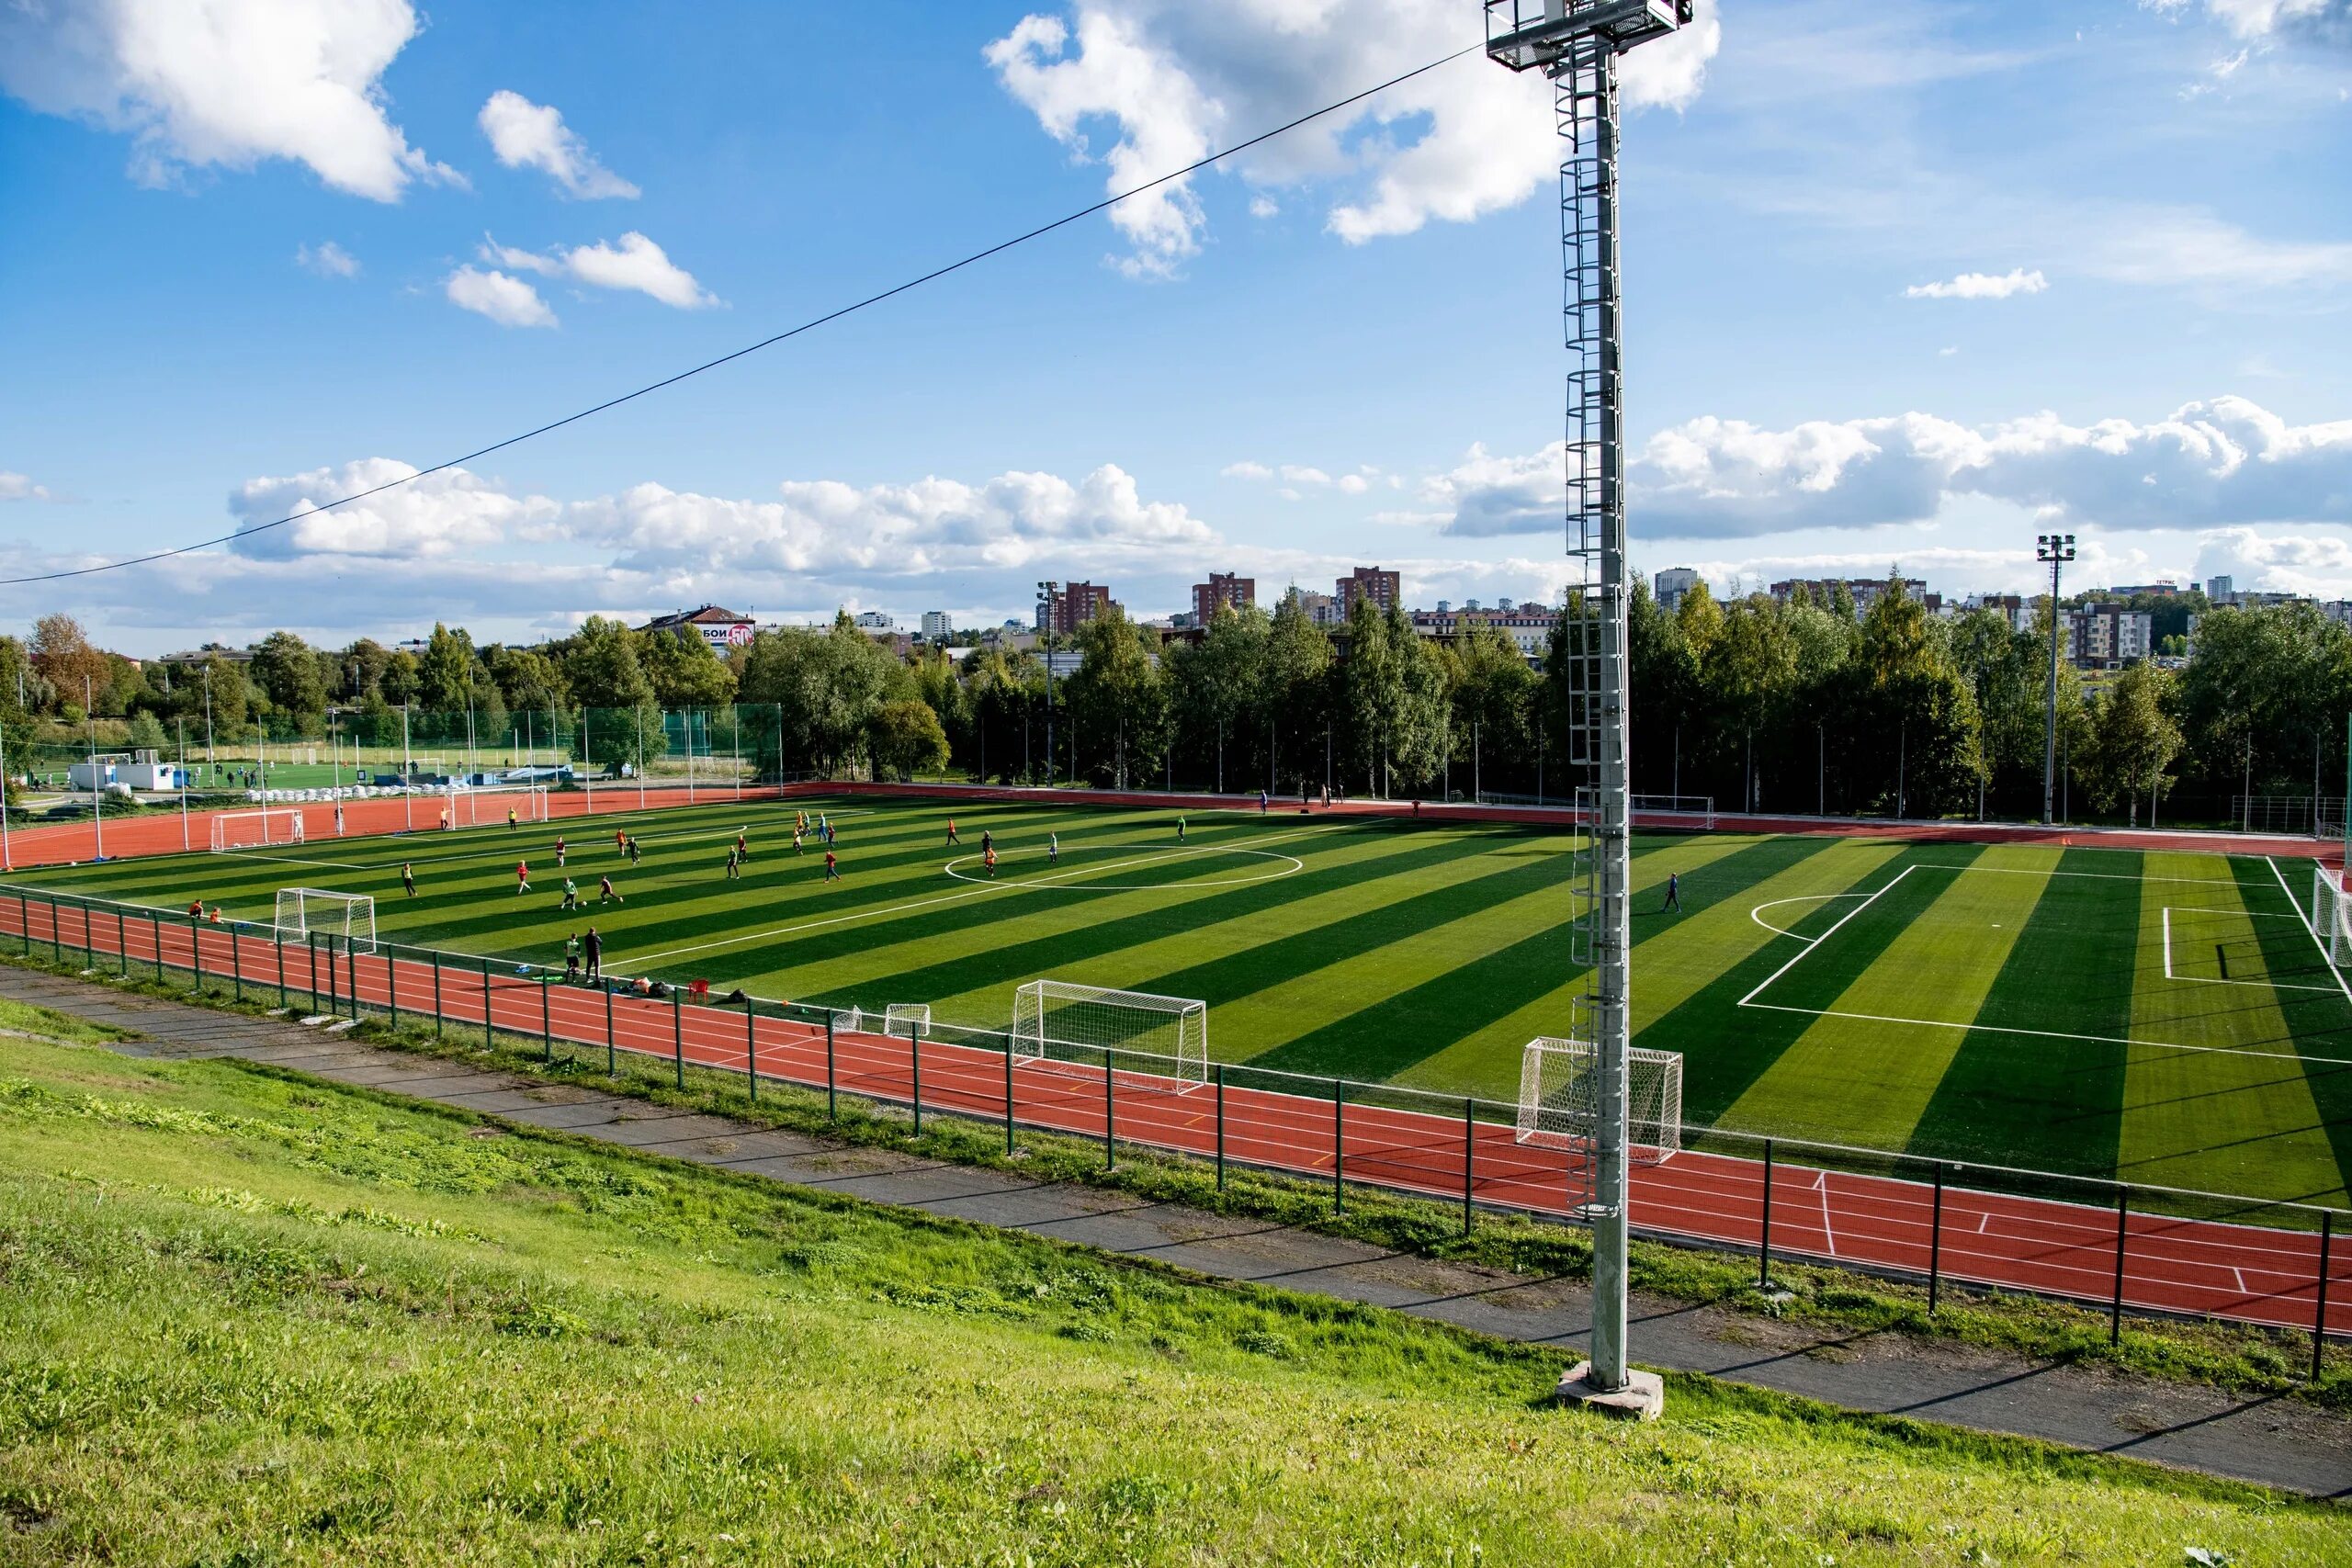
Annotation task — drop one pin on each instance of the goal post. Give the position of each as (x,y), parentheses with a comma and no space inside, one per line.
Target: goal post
(2330,916)
(347,918)
(906,1019)
(1065,1020)
(1559,1098)
(255,829)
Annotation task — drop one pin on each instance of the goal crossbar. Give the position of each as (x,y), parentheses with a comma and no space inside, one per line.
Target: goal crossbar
(255,829)
(1064,1020)
(1559,1098)
(347,920)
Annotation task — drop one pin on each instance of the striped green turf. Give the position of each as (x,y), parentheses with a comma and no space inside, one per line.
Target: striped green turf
(2006,1004)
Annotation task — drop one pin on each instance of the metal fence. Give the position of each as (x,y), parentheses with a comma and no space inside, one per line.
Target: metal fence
(2114,1245)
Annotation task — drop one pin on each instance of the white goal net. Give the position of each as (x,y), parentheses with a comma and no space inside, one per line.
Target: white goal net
(255,829)
(2331,916)
(1559,1098)
(1063,1020)
(348,919)
(906,1019)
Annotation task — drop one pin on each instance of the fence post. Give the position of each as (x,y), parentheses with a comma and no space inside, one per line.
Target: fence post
(56,941)
(1339,1145)
(2122,1224)
(1008,1093)
(485,1004)
(547,1024)
(1110,1115)
(392,986)
(25,921)
(1936,1240)
(612,1061)
(2319,1315)
(122,944)
(832,1084)
(334,980)
(155,923)
(436,993)
(311,941)
(1220,1126)
(678,1033)
(1764,1242)
(1469,1156)
(277,945)
(752,1047)
(351,972)
(236,959)
(914,1055)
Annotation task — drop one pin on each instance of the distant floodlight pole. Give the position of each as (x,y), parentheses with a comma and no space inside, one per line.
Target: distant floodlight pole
(97,806)
(1050,604)
(2057,549)
(1576,44)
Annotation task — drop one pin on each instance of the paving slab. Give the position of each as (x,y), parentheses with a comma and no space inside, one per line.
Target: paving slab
(2278,1441)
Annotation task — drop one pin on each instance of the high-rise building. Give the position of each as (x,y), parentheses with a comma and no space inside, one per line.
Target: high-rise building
(2221,590)
(1320,608)
(1223,588)
(1671,585)
(936,627)
(877,621)
(1072,606)
(2109,636)
(1384,589)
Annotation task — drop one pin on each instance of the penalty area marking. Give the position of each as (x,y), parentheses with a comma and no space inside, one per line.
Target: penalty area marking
(1069,881)
(2265,984)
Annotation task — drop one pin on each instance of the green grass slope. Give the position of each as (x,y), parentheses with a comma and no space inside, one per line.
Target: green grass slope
(247,1318)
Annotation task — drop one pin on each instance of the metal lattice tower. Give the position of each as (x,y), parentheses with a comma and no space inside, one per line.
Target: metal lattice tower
(1576,44)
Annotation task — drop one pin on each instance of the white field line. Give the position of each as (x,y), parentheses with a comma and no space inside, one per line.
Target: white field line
(2263,984)
(1828,1233)
(2054,1035)
(975,890)
(1812,943)
(2096,875)
(2313,929)
(294,860)
(1757,914)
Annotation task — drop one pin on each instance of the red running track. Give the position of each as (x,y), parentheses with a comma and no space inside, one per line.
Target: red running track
(2194,1267)
(151,834)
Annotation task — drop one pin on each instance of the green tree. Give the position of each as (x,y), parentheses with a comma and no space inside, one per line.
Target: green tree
(2134,739)
(1116,700)
(684,671)
(62,652)
(1217,689)
(904,737)
(445,678)
(287,673)
(1493,706)
(403,680)
(1295,689)
(2266,687)
(1909,734)
(146,733)
(528,680)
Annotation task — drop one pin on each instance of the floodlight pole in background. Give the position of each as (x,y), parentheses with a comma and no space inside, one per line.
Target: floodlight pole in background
(2057,549)
(6,861)
(1045,592)
(1576,44)
(97,807)
(184,845)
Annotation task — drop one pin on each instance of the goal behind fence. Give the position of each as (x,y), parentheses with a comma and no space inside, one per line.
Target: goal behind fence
(1062,1021)
(348,920)
(255,829)
(908,1020)
(1559,1098)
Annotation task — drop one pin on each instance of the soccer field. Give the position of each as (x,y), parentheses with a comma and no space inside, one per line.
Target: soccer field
(2163,1017)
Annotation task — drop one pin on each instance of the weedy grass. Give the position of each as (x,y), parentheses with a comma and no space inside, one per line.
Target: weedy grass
(247,1317)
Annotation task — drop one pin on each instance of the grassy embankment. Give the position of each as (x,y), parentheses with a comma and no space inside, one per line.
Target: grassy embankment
(251,1318)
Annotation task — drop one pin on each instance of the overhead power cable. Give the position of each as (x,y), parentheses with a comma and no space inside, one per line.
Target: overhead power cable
(806,326)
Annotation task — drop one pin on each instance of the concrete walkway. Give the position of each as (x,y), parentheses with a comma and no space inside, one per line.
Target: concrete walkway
(2276,1440)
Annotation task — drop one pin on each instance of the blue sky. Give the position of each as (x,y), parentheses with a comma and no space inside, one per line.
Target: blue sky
(1907,283)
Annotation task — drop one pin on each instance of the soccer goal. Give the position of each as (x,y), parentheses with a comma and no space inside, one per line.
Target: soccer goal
(902,1020)
(1559,1098)
(347,918)
(1061,1020)
(255,829)
(2331,916)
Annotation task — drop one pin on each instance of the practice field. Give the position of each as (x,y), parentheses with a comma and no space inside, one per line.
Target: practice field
(2163,1016)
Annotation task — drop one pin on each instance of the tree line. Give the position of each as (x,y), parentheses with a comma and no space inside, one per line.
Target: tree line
(1791,706)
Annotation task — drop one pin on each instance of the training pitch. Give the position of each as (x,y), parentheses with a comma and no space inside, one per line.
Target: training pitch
(2162,1017)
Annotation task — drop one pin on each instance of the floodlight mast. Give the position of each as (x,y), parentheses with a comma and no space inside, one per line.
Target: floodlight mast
(2056,550)
(1576,43)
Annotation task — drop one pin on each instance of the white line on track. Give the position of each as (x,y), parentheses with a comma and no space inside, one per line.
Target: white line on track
(1828,1232)
(974,891)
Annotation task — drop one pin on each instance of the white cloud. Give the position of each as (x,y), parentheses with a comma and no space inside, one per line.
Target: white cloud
(528,135)
(1176,78)
(508,300)
(1263,206)
(327,259)
(2262,18)
(1300,474)
(17,487)
(2224,462)
(225,82)
(1247,471)
(430,518)
(1980,286)
(636,263)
